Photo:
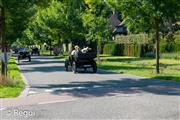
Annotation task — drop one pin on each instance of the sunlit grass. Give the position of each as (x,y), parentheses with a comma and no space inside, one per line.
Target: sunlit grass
(169,68)
(14,83)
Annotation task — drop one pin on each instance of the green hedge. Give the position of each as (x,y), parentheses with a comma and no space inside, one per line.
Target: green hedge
(177,42)
(143,50)
(113,49)
(136,50)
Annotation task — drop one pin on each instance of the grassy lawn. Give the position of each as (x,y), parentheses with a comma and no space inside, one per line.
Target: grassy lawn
(45,52)
(171,55)
(14,85)
(170,68)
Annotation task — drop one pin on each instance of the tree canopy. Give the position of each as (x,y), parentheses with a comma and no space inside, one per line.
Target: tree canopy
(34,22)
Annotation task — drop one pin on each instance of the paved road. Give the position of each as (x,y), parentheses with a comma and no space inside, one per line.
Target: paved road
(56,94)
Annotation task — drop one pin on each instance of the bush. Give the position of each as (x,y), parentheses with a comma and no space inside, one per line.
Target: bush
(170,55)
(170,44)
(135,50)
(149,55)
(124,49)
(113,49)
(177,42)
(108,49)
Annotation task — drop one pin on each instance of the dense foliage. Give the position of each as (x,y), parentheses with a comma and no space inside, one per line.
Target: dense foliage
(135,50)
(66,22)
(35,22)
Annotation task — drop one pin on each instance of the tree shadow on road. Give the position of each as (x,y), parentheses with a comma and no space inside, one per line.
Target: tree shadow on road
(115,87)
(38,62)
(45,69)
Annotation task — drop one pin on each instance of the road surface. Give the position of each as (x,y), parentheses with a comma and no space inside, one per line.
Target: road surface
(56,94)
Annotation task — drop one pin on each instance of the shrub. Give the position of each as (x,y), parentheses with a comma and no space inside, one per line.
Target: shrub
(113,49)
(149,55)
(170,55)
(109,48)
(170,44)
(135,50)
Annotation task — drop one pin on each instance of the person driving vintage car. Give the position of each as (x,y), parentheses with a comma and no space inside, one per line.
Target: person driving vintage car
(81,59)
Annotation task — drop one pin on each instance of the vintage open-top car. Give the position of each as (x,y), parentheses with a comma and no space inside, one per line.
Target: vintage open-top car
(82,60)
(24,54)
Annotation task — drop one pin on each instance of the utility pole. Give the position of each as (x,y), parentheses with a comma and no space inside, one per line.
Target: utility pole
(3,42)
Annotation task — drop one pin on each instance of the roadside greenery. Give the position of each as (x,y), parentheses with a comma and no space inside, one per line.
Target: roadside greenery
(152,16)
(58,22)
(14,84)
(73,21)
(142,45)
(171,56)
(170,68)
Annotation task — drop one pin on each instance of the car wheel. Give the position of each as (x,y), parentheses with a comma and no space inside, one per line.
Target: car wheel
(29,58)
(94,67)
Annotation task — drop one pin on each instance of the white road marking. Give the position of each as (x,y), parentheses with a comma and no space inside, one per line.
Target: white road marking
(71,88)
(80,87)
(56,101)
(66,88)
(32,92)
(48,90)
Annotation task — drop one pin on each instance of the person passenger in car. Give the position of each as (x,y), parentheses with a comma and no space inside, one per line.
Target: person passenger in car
(86,49)
(74,53)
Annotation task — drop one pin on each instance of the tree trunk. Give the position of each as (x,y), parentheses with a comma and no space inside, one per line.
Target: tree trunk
(3,41)
(66,44)
(157,47)
(98,50)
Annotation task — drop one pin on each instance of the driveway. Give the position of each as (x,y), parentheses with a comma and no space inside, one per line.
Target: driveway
(56,94)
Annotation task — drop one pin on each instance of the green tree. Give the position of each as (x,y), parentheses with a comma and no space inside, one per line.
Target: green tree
(149,16)
(15,14)
(95,20)
(59,22)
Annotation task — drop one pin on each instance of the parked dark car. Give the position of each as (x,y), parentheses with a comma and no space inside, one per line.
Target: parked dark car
(82,60)
(24,54)
(35,51)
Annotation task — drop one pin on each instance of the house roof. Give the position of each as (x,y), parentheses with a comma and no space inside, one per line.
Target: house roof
(117,25)
(114,21)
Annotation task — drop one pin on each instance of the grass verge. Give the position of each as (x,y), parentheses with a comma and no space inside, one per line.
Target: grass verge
(14,83)
(171,55)
(169,68)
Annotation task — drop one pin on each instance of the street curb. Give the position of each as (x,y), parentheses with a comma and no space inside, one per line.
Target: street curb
(24,93)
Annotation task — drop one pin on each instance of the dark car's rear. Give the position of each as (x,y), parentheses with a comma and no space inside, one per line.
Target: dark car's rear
(24,54)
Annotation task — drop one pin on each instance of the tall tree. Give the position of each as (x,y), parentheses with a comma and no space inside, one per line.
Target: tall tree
(14,16)
(149,15)
(60,21)
(95,19)
(2,38)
